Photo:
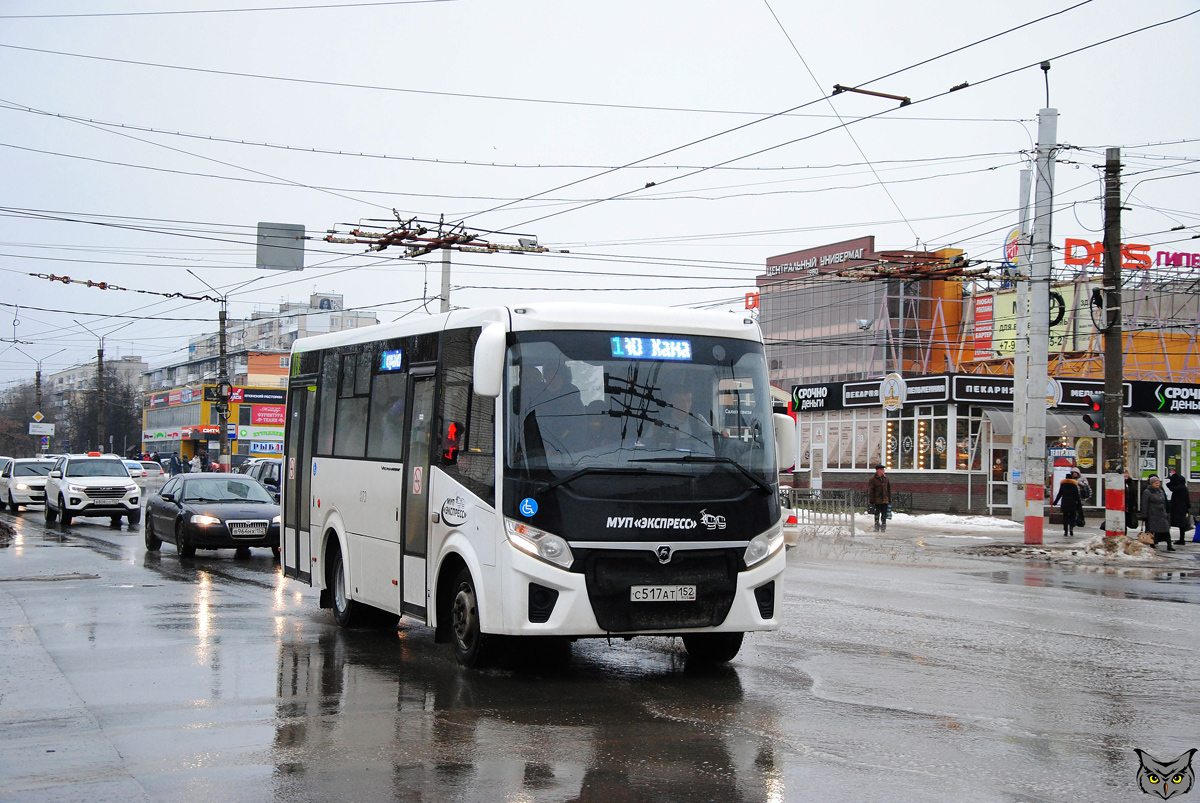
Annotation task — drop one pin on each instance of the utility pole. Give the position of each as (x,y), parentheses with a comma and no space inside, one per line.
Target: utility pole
(445,307)
(224,391)
(1017,467)
(1114,367)
(1041,263)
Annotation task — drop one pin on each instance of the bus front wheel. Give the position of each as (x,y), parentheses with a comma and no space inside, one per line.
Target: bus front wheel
(470,643)
(345,610)
(714,648)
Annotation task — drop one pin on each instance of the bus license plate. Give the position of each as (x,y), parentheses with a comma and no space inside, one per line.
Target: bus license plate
(662,593)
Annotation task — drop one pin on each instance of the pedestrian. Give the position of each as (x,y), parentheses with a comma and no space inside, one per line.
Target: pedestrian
(879,495)
(194,463)
(176,465)
(1085,493)
(154,456)
(1155,512)
(1181,504)
(1069,502)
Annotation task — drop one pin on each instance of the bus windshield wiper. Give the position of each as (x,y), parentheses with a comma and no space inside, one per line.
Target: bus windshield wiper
(574,475)
(695,458)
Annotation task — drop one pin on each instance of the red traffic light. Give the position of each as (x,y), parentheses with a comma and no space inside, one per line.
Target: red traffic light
(1095,417)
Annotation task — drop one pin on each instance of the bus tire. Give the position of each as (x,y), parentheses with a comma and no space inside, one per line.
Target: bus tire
(713,648)
(345,610)
(471,644)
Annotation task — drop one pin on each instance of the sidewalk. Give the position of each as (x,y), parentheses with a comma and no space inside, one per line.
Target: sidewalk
(946,539)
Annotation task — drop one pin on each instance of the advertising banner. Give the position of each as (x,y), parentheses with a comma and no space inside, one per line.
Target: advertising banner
(273,414)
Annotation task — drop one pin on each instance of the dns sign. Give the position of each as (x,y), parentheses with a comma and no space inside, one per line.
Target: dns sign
(751,300)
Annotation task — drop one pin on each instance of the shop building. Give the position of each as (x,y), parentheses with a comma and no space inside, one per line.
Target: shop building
(185,422)
(917,375)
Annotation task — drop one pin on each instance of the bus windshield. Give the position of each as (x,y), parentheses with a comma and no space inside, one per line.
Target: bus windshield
(616,403)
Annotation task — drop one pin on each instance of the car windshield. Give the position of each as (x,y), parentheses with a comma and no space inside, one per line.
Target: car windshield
(598,401)
(97,468)
(31,469)
(220,489)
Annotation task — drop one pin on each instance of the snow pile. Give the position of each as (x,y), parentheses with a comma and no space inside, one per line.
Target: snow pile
(956,524)
(1122,546)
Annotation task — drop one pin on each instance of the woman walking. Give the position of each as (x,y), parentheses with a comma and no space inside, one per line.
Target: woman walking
(1069,500)
(1181,504)
(1155,512)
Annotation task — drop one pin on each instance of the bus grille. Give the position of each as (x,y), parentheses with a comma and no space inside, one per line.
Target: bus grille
(611,573)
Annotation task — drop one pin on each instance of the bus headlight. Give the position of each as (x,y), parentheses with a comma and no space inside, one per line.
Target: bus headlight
(763,546)
(543,545)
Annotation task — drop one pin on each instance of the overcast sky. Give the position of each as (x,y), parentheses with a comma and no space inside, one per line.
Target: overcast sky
(137,145)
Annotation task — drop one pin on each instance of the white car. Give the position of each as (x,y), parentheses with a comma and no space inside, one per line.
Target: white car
(82,485)
(23,482)
(151,468)
(136,469)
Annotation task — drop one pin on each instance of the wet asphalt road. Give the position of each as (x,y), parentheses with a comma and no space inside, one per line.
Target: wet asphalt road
(137,676)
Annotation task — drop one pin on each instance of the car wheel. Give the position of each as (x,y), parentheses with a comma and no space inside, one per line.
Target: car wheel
(275,552)
(714,648)
(63,513)
(153,542)
(471,645)
(186,548)
(114,521)
(242,552)
(345,610)
(51,513)
(12,504)
(135,517)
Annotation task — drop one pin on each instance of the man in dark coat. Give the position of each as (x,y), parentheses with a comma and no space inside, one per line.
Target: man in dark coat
(1069,501)
(879,495)
(1181,503)
(176,464)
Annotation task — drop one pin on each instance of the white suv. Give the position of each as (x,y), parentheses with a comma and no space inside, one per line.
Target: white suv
(84,485)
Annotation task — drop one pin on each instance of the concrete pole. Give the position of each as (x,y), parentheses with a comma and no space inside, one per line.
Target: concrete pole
(223,459)
(445,280)
(1041,263)
(1016,460)
(100,397)
(1114,360)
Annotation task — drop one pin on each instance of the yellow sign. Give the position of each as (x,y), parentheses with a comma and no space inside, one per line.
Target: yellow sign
(38,417)
(1071,331)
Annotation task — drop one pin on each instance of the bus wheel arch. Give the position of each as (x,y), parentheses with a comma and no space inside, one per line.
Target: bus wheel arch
(337,583)
(444,596)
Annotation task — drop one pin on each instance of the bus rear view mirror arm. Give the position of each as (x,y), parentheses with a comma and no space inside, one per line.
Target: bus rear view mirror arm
(489,360)
(785,440)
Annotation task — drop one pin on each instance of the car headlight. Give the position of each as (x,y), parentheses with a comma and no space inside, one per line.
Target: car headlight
(205,521)
(22,486)
(76,488)
(763,546)
(131,487)
(539,543)
(275,520)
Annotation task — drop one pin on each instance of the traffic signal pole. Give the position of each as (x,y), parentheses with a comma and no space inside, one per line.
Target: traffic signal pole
(1114,368)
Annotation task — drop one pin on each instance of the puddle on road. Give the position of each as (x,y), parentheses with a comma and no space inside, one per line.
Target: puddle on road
(1117,582)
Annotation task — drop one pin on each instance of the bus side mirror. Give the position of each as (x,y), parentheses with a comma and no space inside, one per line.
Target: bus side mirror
(489,360)
(785,440)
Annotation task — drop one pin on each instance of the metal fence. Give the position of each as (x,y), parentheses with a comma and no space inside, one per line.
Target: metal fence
(821,513)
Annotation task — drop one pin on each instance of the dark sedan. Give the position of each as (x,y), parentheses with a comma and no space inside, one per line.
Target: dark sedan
(212,511)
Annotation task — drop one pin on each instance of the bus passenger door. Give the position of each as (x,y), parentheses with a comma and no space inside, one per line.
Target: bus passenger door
(416,492)
(297,481)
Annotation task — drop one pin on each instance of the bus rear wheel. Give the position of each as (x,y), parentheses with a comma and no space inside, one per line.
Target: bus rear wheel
(345,610)
(471,645)
(713,648)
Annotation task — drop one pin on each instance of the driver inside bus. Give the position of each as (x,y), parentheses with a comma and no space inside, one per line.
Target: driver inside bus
(683,428)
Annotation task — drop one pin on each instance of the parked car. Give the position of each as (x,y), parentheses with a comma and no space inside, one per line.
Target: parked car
(83,485)
(212,511)
(136,469)
(4,461)
(23,482)
(268,471)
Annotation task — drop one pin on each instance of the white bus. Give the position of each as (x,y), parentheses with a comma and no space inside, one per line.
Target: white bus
(571,470)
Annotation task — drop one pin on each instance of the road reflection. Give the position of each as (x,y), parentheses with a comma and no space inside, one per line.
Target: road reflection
(552,724)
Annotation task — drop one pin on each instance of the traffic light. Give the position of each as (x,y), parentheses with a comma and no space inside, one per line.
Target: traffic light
(1094,417)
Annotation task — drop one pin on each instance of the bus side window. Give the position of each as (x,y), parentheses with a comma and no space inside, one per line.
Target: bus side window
(385,441)
(467,455)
